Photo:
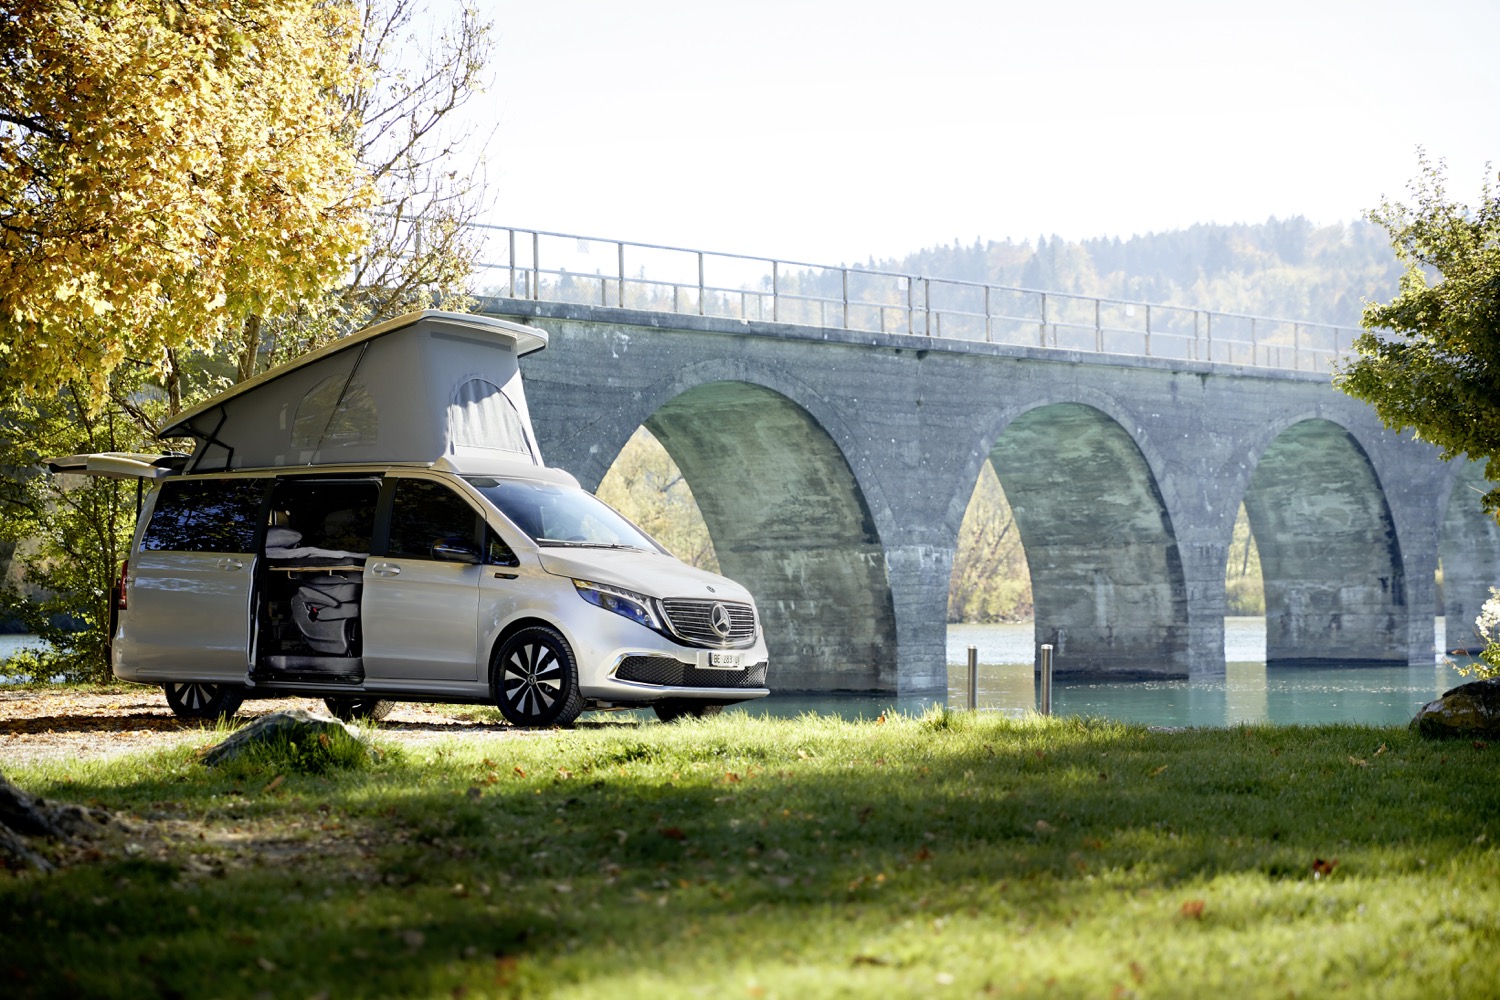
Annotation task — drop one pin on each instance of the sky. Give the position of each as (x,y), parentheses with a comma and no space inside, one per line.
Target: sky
(834,131)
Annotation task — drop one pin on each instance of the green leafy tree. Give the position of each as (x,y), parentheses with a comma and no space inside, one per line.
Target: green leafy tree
(389,112)
(1430,360)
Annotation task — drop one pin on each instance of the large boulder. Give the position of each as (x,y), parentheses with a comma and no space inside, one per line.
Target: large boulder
(295,725)
(1469,710)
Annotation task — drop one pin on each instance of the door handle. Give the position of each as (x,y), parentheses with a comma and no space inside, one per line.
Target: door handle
(385,569)
(229,565)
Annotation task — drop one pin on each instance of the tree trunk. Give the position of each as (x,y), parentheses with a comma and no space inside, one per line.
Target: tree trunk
(249,347)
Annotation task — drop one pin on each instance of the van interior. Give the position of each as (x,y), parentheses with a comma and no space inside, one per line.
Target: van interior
(318,535)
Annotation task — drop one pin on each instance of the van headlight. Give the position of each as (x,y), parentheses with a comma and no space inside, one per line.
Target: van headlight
(636,607)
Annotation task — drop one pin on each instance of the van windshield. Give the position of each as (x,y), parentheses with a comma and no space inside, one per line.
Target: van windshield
(561,515)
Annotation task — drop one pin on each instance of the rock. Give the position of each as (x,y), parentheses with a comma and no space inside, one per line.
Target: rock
(1469,710)
(294,724)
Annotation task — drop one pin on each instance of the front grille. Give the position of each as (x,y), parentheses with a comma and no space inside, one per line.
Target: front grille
(668,672)
(692,621)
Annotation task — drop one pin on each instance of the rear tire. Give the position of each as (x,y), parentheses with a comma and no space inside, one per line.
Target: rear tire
(534,679)
(356,709)
(204,702)
(682,708)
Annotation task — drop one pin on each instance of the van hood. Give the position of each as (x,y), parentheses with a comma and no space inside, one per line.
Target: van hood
(647,573)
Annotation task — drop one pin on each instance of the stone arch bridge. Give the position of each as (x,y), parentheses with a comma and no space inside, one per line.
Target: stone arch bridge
(833,469)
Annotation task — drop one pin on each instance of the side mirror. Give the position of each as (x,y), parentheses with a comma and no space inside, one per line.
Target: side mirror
(455,549)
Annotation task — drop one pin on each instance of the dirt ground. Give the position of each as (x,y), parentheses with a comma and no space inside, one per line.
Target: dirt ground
(57,723)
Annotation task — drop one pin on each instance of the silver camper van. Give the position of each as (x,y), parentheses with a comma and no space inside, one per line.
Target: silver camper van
(373,523)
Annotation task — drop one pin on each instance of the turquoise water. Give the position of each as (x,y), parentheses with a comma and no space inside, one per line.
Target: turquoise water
(1249,692)
(11,644)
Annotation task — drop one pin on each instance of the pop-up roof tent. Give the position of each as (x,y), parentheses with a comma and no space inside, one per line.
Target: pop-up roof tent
(428,387)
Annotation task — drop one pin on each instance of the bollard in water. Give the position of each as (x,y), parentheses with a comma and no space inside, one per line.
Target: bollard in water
(1046,679)
(973,678)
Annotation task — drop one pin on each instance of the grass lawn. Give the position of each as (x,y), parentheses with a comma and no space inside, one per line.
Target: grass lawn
(948,855)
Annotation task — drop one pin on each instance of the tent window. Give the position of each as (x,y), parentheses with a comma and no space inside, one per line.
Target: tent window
(483,418)
(356,421)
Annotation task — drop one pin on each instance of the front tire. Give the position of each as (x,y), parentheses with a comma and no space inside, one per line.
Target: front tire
(354,709)
(200,702)
(534,679)
(683,708)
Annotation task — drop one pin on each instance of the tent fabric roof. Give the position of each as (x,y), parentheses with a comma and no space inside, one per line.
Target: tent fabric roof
(426,387)
(525,339)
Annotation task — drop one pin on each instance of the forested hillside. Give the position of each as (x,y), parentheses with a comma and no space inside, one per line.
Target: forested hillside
(1289,268)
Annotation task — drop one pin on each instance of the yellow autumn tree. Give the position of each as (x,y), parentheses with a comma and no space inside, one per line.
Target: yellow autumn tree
(167,168)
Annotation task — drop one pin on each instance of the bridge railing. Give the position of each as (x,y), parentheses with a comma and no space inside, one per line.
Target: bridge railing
(559,267)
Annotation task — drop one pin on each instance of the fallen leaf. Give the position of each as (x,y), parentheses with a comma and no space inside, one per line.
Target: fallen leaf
(880,721)
(518,772)
(730,777)
(922,855)
(274,783)
(1381,750)
(1322,869)
(1480,744)
(870,960)
(864,813)
(1159,770)
(1193,909)
(671,833)
(266,964)
(1358,761)
(1042,826)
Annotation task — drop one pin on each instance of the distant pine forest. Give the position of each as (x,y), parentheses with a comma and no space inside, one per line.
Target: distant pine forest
(1290,269)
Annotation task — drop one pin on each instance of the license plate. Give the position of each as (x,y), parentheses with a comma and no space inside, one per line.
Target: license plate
(724,661)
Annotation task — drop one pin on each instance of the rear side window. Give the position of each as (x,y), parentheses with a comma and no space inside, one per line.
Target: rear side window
(206,515)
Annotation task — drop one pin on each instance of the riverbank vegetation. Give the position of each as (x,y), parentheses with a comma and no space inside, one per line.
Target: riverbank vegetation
(758,857)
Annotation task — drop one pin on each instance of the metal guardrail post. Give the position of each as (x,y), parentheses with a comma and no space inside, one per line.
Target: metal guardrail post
(622,274)
(927,304)
(536,266)
(1297,346)
(911,304)
(512,289)
(1098,327)
(701,295)
(1148,331)
(989,322)
(1254,344)
(1042,341)
(973,678)
(846,297)
(1046,692)
(775,291)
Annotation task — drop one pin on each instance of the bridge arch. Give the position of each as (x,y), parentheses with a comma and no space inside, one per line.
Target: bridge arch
(1331,560)
(1106,575)
(1469,548)
(790,520)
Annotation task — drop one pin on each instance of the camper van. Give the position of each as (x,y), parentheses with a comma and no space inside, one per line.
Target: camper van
(373,523)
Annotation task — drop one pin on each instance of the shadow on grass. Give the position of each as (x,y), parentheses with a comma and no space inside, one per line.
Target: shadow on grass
(515,867)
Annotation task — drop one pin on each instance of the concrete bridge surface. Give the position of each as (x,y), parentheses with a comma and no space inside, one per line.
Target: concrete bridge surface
(833,469)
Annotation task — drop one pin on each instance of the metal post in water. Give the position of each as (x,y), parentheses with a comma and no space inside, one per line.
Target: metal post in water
(973,678)
(1046,679)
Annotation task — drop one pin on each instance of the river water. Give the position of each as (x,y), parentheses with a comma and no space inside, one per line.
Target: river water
(1250,691)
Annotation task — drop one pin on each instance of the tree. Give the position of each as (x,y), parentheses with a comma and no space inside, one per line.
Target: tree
(424,199)
(168,167)
(388,115)
(1430,360)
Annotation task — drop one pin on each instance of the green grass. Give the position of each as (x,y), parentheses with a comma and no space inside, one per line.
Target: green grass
(739,857)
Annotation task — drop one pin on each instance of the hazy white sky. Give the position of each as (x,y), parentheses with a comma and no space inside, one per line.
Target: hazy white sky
(834,130)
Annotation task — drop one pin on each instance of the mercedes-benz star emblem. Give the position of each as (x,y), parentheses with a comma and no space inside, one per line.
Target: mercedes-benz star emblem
(718,617)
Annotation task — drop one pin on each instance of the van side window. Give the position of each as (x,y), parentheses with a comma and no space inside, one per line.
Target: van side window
(424,512)
(496,552)
(206,515)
